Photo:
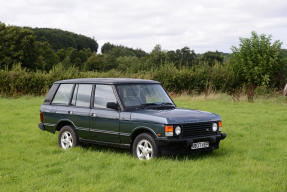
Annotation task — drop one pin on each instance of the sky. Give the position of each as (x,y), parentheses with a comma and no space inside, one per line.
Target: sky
(202,25)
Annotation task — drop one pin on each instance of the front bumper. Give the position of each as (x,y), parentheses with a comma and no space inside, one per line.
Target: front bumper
(41,126)
(185,143)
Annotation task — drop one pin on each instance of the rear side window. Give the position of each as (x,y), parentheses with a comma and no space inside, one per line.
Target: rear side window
(51,93)
(103,95)
(83,95)
(63,94)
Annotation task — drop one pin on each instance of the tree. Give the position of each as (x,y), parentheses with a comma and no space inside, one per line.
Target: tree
(186,57)
(256,61)
(17,45)
(79,57)
(59,39)
(130,64)
(94,63)
(181,57)
(121,51)
(46,57)
(156,57)
(211,58)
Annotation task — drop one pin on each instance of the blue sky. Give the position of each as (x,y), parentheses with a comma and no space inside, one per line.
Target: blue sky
(201,25)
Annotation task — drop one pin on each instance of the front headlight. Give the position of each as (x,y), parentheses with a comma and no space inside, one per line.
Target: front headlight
(177,130)
(214,127)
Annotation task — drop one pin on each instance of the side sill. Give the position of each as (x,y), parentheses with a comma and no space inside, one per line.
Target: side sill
(110,144)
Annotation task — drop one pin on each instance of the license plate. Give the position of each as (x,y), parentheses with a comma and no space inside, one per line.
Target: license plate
(200,145)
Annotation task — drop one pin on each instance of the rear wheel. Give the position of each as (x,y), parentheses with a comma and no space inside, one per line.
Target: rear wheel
(144,147)
(67,137)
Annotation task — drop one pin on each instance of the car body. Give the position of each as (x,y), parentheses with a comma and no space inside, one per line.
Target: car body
(130,113)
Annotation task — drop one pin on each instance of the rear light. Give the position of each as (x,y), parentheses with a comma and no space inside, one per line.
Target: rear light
(168,130)
(41,117)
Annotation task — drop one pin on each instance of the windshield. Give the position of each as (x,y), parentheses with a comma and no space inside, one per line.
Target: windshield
(136,95)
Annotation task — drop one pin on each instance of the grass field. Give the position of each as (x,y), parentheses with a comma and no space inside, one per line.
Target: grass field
(252,158)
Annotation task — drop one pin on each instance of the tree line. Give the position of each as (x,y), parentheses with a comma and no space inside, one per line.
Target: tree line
(258,61)
(42,48)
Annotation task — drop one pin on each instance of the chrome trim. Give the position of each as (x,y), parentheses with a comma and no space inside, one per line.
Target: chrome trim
(125,134)
(110,132)
(82,128)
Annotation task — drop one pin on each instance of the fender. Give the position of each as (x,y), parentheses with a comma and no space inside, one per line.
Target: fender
(64,121)
(141,129)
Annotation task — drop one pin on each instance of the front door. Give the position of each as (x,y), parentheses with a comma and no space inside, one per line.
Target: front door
(104,121)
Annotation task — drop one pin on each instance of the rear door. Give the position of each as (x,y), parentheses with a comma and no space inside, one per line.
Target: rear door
(81,108)
(104,121)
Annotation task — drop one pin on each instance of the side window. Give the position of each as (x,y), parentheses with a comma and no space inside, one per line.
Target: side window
(63,94)
(50,94)
(83,95)
(103,95)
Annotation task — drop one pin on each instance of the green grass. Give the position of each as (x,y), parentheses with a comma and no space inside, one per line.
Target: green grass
(252,158)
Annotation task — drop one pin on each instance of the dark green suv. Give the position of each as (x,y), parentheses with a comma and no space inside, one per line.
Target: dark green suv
(131,113)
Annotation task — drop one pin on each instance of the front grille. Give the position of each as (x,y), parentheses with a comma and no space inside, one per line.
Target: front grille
(197,129)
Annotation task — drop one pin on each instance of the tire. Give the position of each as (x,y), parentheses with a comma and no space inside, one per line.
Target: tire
(67,137)
(144,147)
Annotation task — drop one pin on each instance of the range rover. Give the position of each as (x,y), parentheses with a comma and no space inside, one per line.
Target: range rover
(136,114)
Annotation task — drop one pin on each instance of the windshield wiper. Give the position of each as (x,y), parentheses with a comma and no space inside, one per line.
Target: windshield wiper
(152,105)
(146,105)
(167,103)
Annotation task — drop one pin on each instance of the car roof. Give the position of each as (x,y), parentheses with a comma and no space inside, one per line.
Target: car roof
(109,81)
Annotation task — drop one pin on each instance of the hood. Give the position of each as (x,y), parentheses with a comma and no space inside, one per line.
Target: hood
(174,116)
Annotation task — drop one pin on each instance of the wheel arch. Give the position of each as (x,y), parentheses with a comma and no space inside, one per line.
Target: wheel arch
(64,122)
(139,130)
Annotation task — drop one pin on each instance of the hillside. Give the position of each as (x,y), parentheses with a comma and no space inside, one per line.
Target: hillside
(59,39)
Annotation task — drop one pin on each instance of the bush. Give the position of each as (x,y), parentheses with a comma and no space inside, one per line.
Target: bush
(197,79)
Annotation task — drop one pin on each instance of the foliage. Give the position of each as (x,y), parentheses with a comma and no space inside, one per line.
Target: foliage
(119,50)
(17,45)
(46,56)
(256,61)
(35,50)
(129,64)
(211,58)
(94,63)
(59,39)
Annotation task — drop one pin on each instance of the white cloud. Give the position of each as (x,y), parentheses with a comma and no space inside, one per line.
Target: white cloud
(201,25)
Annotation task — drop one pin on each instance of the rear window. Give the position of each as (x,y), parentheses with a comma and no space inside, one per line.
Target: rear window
(51,94)
(63,94)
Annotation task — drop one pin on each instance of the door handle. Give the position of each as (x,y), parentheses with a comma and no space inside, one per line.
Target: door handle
(93,115)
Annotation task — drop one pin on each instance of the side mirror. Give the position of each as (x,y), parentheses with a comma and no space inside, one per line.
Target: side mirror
(112,105)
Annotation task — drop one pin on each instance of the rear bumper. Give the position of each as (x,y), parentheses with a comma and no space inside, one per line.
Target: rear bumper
(187,142)
(41,126)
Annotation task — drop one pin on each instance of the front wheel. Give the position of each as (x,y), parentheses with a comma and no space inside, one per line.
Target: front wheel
(144,147)
(67,137)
